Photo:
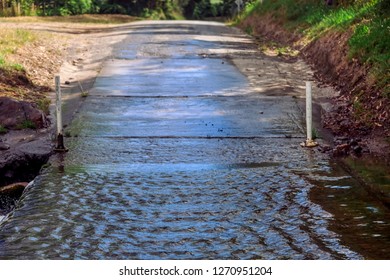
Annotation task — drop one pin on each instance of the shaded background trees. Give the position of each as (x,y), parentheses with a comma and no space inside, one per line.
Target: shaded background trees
(74,7)
(158,9)
(194,9)
(44,7)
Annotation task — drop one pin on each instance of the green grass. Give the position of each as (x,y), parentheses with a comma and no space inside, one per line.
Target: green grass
(315,133)
(370,43)
(10,41)
(2,61)
(44,105)
(27,124)
(367,20)
(312,16)
(3,130)
(248,10)
(322,19)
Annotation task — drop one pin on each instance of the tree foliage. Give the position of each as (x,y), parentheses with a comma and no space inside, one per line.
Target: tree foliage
(195,9)
(44,7)
(73,7)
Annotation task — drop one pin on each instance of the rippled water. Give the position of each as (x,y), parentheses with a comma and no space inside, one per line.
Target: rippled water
(173,211)
(249,209)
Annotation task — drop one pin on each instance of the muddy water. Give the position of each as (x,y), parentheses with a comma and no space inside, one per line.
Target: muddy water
(192,169)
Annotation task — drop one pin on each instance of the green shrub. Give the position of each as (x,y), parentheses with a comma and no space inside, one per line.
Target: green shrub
(113,9)
(27,124)
(2,61)
(43,105)
(3,130)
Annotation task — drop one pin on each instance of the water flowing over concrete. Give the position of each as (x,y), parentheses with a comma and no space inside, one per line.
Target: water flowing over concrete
(175,154)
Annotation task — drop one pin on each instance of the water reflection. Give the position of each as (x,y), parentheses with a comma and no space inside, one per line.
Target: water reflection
(361,219)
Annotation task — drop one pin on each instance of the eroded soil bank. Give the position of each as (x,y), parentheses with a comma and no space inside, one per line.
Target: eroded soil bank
(73,51)
(358,112)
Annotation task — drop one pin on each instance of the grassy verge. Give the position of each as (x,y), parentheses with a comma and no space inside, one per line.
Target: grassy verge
(14,80)
(28,58)
(348,44)
(368,20)
(370,43)
(10,41)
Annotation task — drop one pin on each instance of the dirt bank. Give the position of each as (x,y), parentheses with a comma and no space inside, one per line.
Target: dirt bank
(359,113)
(75,52)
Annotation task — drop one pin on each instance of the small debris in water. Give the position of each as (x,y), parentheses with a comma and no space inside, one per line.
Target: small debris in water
(372,209)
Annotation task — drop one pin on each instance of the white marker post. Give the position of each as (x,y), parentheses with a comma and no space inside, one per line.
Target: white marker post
(309,119)
(60,135)
(309,112)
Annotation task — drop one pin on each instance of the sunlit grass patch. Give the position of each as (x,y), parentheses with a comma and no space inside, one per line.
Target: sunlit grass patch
(10,41)
(321,19)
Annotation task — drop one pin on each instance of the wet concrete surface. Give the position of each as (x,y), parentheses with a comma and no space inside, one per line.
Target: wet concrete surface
(175,155)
